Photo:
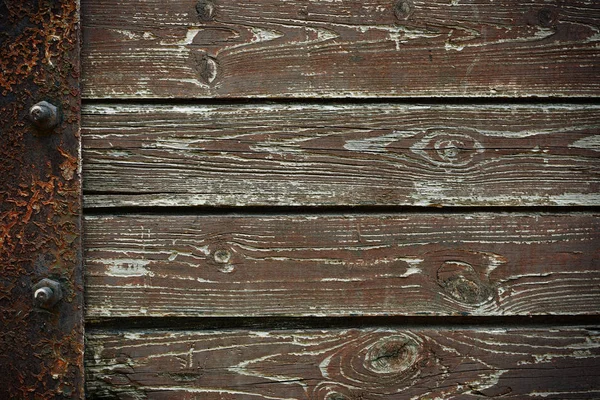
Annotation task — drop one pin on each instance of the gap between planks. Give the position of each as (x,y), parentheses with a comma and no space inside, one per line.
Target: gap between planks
(279,323)
(340,101)
(328,211)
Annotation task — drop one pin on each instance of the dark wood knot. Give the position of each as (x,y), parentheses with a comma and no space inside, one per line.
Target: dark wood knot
(403,9)
(461,281)
(205,10)
(207,67)
(222,256)
(222,259)
(392,355)
(447,148)
(548,17)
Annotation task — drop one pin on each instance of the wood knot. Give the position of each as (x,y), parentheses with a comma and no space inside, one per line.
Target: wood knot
(222,256)
(403,9)
(548,17)
(207,67)
(380,360)
(303,12)
(461,281)
(392,355)
(447,148)
(205,10)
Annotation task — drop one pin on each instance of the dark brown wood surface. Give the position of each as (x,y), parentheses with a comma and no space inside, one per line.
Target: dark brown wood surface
(41,348)
(324,48)
(316,265)
(507,363)
(461,264)
(341,154)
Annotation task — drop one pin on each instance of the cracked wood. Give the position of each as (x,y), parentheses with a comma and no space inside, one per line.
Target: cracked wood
(317,265)
(323,48)
(341,154)
(386,363)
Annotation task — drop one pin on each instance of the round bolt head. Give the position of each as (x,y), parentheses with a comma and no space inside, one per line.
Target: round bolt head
(46,293)
(44,115)
(43,295)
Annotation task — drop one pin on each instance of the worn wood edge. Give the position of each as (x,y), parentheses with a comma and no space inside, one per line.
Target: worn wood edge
(369,363)
(94,201)
(240,155)
(419,264)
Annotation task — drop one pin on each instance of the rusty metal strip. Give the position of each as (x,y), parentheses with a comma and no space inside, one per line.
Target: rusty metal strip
(41,349)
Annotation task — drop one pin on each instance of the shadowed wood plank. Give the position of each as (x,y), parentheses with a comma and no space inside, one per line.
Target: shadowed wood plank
(421,264)
(515,363)
(344,154)
(323,48)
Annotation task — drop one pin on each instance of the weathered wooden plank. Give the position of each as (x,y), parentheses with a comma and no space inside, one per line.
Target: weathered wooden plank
(345,154)
(323,48)
(420,264)
(560,363)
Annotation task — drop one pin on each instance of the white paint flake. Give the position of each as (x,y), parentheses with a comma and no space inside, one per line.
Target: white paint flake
(126,267)
(588,143)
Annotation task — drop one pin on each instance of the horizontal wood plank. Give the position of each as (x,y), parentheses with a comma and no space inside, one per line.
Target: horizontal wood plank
(324,48)
(344,154)
(317,265)
(508,363)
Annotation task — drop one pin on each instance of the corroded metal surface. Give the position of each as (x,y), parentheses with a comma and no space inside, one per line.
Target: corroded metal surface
(41,350)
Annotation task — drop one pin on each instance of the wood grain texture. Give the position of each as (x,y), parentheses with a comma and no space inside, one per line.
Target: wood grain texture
(421,264)
(324,48)
(344,154)
(513,363)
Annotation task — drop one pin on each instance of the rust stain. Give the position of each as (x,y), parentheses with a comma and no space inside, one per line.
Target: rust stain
(69,166)
(41,351)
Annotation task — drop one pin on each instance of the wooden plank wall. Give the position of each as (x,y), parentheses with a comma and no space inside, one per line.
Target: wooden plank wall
(342,200)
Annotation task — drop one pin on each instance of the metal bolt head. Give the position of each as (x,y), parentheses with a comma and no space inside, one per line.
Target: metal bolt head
(44,115)
(43,294)
(46,293)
